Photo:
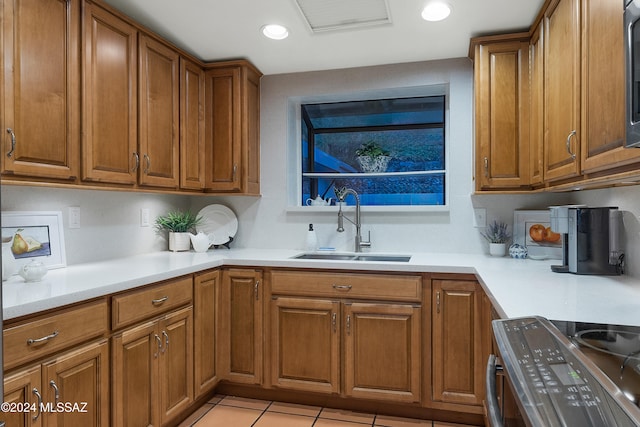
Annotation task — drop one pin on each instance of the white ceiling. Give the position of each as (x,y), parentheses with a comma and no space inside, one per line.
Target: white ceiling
(230,29)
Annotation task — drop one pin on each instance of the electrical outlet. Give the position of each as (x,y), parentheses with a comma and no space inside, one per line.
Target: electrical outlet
(144,217)
(479,217)
(74,217)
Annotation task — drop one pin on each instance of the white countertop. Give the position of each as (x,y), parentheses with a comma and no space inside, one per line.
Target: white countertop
(518,287)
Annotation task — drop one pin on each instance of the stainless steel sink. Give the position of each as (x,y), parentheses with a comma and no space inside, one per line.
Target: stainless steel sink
(384,258)
(355,257)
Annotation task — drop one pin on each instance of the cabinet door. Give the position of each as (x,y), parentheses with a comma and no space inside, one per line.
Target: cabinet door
(382,351)
(78,378)
(240,351)
(305,343)
(457,351)
(562,90)
(41,111)
(23,387)
(192,137)
(205,313)
(223,129)
(159,110)
(603,88)
(176,363)
(109,144)
(502,114)
(536,125)
(134,376)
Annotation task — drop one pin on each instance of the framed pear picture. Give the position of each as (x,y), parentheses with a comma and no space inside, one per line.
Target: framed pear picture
(35,235)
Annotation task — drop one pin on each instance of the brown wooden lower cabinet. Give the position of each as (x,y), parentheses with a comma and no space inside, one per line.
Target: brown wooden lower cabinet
(381,342)
(382,355)
(457,349)
(206,291)
(305,342)
(69,390)
(240,346)
(152,370)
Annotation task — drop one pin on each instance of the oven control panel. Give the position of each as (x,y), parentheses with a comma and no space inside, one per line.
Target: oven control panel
(553,385)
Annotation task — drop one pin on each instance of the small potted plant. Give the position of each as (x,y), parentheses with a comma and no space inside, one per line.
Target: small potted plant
(497,235)
(372,157)
(178,224)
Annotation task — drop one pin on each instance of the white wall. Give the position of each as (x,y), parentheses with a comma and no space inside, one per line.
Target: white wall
(110,220)
(269,222)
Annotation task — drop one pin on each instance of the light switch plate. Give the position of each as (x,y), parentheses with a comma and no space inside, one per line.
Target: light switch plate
(144,217)
(74,217)
(479,217)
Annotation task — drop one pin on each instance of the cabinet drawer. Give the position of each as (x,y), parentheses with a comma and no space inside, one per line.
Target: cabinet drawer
(58,331)
(142,304)
(349,285)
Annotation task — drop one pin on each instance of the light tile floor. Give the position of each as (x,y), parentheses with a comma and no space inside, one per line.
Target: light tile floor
(230,411)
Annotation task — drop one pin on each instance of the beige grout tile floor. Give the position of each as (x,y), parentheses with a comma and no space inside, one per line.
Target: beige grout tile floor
(230,411)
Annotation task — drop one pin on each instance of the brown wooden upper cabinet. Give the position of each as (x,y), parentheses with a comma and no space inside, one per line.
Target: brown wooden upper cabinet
(159,108)
(110,103)
(192,142)
(232,128)
(40,111)
(562,136)
(603,94)
(502,113)
(572,129)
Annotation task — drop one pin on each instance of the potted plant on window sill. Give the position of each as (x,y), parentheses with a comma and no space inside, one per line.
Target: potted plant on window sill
(178,224)
(498,236)
(372,157)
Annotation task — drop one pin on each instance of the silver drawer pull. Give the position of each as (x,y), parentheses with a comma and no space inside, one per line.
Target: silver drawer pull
(342,287)
(13,142)
(159,300)
(32,341)
(39,396)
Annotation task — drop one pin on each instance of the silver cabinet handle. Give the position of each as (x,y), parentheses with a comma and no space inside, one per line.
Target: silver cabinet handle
(438,302)
(136,163)
(342,287)
(13,142)
(147,160)
(159,301)
(39,396)
(571,153)
(486,167)
(334,321)
(235,171)
(256,290)
(166,342)
(32,341)
(348,324)
(159,344)
(56,391)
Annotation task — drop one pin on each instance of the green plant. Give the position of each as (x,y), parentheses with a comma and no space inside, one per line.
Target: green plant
(178,222)
(497,232)
(371,149)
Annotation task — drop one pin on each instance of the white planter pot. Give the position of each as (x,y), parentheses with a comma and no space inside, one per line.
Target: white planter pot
(179,241)
(497,249)
(373,164)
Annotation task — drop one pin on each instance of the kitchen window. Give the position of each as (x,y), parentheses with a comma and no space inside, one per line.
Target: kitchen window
(391,151)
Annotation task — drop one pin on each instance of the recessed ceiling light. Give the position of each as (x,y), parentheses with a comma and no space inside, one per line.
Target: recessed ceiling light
(275,31)
(436,11)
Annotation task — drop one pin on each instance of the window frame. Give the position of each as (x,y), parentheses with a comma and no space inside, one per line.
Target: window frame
(294,152)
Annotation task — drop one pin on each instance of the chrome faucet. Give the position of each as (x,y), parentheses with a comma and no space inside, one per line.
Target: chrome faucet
(341,194)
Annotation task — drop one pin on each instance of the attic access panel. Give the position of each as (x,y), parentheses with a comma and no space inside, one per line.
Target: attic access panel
(331,15)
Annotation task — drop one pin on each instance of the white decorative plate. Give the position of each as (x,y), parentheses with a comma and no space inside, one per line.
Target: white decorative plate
(220,221)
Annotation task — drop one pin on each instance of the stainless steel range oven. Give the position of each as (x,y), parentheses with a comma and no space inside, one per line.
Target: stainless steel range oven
(564,374)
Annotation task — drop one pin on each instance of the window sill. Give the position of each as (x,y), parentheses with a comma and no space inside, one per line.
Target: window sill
(397,209)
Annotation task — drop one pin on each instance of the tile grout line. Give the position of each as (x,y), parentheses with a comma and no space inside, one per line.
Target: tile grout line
(262,413)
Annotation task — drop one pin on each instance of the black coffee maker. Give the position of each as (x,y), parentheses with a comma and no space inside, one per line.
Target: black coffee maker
(590,239)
